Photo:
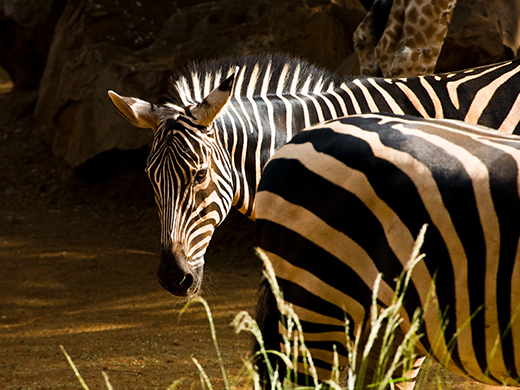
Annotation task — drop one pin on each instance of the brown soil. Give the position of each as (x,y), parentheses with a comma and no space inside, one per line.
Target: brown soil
(78,253)
(78,256)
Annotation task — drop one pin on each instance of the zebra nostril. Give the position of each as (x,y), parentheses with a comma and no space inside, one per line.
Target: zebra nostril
(180,277)
(187,281)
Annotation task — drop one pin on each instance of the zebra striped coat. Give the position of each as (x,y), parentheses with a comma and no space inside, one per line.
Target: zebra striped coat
(344,201)
(219,126)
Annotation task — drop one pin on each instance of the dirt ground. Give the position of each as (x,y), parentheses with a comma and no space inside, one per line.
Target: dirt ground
(77,268)
(78,255)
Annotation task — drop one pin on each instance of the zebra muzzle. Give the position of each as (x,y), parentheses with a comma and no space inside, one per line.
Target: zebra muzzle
(176,275)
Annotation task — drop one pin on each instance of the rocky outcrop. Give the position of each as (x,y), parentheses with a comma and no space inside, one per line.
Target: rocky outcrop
(131,46)
(26,32)
(481,32)
(73,109)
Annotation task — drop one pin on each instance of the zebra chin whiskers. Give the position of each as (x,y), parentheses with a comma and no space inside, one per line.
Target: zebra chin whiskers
(209,281)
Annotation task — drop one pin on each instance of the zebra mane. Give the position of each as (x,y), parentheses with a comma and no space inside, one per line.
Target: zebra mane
(256,75)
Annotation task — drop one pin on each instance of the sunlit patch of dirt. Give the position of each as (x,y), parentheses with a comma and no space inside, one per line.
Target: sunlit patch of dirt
(78,269)
(6,85)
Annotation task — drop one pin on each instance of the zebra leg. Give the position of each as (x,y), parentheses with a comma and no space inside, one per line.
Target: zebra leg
(267,318)
(320,342)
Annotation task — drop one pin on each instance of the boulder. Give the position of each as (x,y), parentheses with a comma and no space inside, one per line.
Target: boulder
(481,32)
(6,84)
(90,55)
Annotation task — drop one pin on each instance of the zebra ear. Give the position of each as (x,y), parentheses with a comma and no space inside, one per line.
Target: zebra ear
(141,113)
(207,110)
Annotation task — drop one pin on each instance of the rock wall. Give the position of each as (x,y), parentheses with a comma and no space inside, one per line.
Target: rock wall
(90,55)
(26,32)
(130,46)
(481,32)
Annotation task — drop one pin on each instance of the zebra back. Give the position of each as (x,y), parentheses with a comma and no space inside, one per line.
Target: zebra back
(276,96)
(344,201)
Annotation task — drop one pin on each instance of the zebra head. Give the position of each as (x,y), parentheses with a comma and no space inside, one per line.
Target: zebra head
(191,175)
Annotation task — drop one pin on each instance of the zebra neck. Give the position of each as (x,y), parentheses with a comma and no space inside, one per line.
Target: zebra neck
(233,141)
(252,129)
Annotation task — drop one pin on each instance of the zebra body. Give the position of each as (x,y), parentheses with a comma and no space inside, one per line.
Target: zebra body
(344,201)
(213,137)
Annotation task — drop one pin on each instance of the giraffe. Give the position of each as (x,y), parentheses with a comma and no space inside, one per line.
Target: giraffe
(411,41)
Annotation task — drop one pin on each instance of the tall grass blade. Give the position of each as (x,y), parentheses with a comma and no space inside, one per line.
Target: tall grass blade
(213,335)
(175,384)
(203,376)
(71,363)
(107,381)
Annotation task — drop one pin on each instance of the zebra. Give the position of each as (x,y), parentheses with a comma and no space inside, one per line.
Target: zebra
(343,202)
(221,121)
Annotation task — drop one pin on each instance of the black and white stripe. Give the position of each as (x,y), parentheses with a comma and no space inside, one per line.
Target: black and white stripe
(275,97)
(272,99)
(344,201)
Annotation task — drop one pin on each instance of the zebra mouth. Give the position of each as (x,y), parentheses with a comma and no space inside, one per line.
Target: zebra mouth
(186,288)
(180,281)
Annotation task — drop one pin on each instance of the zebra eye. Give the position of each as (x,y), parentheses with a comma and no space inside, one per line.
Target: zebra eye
(201,175)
